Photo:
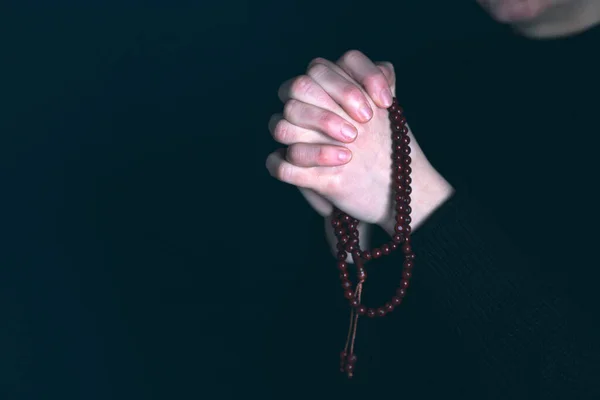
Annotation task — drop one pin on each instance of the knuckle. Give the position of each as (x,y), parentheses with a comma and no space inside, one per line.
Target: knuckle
(293,155)
(316,70)
(301,85)
(322,157)
(284,172)
(375,79)
(352,94)
(281,132)
(388,66)
(318,60)
(328,121)
(289,108)
(352,55)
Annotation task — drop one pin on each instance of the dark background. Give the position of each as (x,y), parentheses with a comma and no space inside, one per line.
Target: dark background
(141,231)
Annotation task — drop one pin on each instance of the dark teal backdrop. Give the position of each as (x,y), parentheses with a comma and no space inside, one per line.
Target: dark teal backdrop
(136,211)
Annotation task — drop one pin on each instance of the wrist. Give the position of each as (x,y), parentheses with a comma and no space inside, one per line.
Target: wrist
(426,198)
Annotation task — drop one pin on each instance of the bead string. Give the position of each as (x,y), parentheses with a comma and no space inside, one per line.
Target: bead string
(346,231)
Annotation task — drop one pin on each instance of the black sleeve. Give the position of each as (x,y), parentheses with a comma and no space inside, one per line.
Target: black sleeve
(530,340)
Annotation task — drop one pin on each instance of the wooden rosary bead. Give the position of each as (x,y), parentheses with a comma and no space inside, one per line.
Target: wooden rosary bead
(399,177)
(402,208)
(385,249)
(398,238)
(400,228)
(401,218)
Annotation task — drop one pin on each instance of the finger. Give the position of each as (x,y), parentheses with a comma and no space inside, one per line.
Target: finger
(345,92)
(285,171)
(387,68)
(306,90)
(364,71)
(315,118)
(336,68)
(285,132)
(317,155)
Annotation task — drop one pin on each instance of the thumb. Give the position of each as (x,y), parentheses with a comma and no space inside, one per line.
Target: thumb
(388,70)
(318,202)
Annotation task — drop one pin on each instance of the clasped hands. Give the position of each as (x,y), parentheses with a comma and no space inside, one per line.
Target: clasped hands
(335,124)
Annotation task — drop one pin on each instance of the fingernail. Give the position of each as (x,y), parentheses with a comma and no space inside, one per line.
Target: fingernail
(349,132)
(343,155)
(386,97)
(365,112)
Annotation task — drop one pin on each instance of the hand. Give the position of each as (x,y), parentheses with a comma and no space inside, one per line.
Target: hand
(317,105)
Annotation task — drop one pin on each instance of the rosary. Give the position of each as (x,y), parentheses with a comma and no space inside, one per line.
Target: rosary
(347,236)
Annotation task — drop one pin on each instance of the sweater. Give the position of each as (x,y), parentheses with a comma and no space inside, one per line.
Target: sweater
(502,301)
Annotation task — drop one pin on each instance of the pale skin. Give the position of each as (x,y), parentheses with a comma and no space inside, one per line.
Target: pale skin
(335,124)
